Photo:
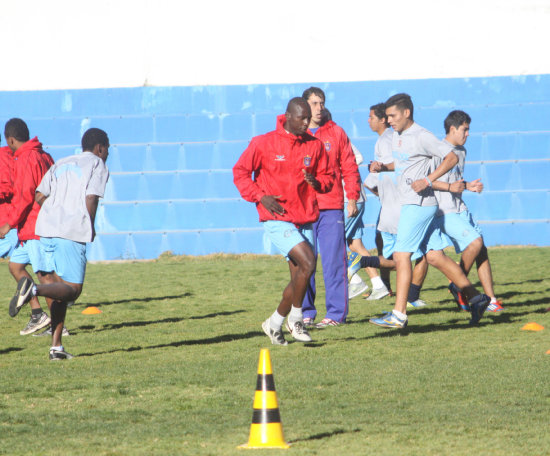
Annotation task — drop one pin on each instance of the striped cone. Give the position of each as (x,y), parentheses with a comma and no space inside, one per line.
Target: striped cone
(266,430)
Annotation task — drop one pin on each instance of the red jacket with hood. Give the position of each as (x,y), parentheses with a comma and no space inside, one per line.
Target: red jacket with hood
(277,160)
(31,163)
(342,163)
(6,183)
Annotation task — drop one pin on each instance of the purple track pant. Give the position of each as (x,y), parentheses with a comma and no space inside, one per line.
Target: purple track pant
(329,241)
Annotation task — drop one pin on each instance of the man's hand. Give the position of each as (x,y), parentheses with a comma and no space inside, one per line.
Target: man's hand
(4,229)
(457,187)
(475,186)
(271,204)
(419,185)
(375,167)
(310,179)
(352,208)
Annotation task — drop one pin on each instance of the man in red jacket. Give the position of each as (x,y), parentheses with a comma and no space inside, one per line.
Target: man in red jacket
(290,168)
(329,230)
(30,164)
(8,243)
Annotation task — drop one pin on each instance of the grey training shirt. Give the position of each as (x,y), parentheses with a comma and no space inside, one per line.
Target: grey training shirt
(413,150)
(66,185)
(451,202)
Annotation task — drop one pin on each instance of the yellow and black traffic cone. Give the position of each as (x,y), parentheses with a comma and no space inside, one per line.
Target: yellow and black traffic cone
(266,430)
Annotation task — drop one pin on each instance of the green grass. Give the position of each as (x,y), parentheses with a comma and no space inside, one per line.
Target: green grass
(169,367)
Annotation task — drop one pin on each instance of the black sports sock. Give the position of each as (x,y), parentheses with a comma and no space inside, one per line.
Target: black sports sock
(370,262)
(35,313)
(414,292)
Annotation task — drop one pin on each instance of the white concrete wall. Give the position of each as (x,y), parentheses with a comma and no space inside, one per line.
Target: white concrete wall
(69,44)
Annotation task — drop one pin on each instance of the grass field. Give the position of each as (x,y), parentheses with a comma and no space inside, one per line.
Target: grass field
(169,367)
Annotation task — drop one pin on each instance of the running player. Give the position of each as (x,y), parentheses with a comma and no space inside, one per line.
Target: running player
(454,218)
(413,147)
(68,193)
(290,167)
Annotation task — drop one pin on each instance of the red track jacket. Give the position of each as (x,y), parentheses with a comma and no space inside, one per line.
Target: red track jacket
(6,183)
(342,162)
(31,163)
(277,160)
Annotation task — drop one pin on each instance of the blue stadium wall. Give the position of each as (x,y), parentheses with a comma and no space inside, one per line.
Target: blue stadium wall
(173,149)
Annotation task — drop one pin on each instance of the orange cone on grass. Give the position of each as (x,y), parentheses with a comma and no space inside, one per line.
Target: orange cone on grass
(532,326)
(266,430)
(91,310)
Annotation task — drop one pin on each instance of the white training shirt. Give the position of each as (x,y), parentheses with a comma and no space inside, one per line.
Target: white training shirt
(413,150)
(389,200)
(66,185)
(383,145)
(448,202)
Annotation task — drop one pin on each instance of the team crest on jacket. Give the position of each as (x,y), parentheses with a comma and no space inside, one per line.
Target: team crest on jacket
(307,160)
(327,146)
(280,158)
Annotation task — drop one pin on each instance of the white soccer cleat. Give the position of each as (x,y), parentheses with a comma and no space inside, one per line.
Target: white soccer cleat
(298,331)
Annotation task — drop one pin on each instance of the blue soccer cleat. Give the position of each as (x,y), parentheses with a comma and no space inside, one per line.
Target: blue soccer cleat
(389,320)
(461,301)
(478,304)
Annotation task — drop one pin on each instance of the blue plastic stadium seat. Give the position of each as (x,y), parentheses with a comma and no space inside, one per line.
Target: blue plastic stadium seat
(56,131)
(235,127)
(534,145)
(58,152)
(125,129)
(534,175)
(366,147)
(500,146)
(127,158)
(264,123)
(226,154)
(500,176)
(196,156)
(164,157)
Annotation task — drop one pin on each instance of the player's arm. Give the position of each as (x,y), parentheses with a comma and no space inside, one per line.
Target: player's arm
(91,205)
(455,187)
(448,162)
(379,167)
(39,197)
(323,179)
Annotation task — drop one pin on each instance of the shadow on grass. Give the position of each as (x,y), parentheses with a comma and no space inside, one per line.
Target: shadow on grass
(125,301)
(7,350)
(324,435)
(129,324)
(211,340)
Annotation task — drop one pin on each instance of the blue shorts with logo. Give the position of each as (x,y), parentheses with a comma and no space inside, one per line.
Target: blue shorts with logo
(8,244)
(354,225)
(389,240)
(66,258)
(461,228)
(285,236)
(419,230)
(30,252)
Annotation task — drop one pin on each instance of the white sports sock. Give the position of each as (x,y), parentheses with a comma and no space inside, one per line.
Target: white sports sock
(295,314)
(60,347)
(400,315)
(356,278)
(276,321)
(493,300)
(377,282)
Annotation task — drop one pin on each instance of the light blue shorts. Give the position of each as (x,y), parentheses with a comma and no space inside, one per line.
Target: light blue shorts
(461,229)
(31,252)
(285,236)
(8,244)
(67,258)
(389,241)
(354,225)
(419,230)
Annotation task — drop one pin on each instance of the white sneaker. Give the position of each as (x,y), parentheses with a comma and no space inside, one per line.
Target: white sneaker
(276,337)
(298,331)
(378,293)
(355,289)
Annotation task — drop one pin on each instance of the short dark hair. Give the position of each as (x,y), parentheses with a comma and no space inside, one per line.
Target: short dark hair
(17,129)
(92,137)
(380,112)
(401,101)
(325,116)
(456,119)
(313,91)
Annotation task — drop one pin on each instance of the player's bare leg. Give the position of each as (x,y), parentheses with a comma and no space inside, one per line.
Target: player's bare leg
(470,254)
(484,272)
(403,268)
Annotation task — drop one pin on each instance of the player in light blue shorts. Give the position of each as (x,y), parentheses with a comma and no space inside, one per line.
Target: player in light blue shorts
(30,252)
(460,228)
(66,258)
(285,236)
(418,229)
(8,244)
